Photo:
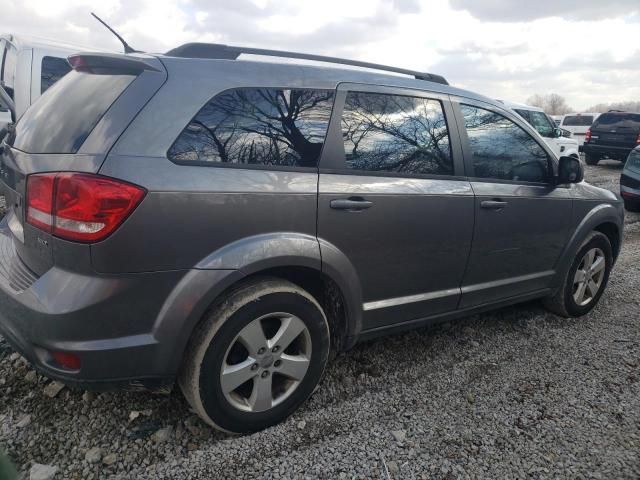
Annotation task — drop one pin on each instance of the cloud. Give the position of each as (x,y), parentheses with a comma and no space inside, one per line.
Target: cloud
(522,11)
(502,48)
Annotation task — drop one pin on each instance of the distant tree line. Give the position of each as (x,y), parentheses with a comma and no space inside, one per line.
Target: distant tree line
(555,104)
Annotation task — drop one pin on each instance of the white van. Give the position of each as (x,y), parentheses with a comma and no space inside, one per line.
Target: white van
(546,127)
(578,124)
(28,66)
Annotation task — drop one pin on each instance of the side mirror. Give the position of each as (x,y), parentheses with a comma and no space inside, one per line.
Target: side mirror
(557,132)
(570,170)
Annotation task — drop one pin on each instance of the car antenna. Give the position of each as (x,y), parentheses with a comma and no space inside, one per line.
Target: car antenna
(127,47)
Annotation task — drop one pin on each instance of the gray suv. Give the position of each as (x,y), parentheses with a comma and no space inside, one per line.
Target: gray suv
(228,223)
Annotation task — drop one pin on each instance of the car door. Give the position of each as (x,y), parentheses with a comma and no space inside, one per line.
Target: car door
(521,217)
(394,201)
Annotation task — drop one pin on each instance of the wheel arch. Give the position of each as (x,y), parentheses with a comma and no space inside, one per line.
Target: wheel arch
(603,218)
(294,257)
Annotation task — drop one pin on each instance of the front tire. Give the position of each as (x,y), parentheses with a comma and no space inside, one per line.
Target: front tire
(256,357)
(586,279)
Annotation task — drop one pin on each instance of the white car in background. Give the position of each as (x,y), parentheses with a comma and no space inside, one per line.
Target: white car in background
(557,119)
(546,127)
(28,67)
(578,124)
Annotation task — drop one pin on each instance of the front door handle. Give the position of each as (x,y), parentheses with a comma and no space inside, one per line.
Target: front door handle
(352,204)
(493,204)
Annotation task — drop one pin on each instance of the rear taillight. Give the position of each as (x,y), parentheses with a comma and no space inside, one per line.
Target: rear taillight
(79,206)
(638,140)
(587,136)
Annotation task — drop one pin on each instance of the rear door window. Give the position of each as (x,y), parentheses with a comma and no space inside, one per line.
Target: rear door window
(62,119)
(53,69)
(618,120)
(501,150)
(267,127)
(396,134)
(577,121)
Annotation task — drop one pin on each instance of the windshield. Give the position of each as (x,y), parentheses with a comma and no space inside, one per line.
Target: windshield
(539,121)
(577,121)
(62,119)
(618,120)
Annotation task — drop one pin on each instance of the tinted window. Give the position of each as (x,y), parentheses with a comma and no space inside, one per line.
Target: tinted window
(392,133)
(61,119)
(618,120)
(501,149)
(538,120)
(577,121)
(258,126)
(53,69)
(633,160)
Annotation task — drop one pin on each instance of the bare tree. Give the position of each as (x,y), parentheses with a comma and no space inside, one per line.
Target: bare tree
(629,106)
(552,103)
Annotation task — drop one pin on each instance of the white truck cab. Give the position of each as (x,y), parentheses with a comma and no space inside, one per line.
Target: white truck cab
(28,67)
(546,127)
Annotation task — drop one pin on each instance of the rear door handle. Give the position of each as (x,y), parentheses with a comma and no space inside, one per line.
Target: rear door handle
(493,204)
(351,204)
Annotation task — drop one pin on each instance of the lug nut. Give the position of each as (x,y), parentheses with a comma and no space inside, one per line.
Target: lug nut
(275,349)
(265,374)
(261,350)
(277,363)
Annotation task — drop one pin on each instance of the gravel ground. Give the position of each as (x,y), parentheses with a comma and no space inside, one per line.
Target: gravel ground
(517,393)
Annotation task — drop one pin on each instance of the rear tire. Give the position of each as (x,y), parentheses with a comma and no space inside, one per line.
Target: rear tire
(256,357)
(591,159)
(631,205)
(585,280)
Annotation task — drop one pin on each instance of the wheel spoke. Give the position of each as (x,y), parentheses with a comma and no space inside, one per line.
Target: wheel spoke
(293,366)
(261,396)
(579,295)
(289,330)
(580,276)
(235,375)
(598,265)
(252,337)
(592,287)
(588,259)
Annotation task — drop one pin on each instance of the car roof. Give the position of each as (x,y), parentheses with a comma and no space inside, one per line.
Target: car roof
(23,42)
(326,76)
(521,106)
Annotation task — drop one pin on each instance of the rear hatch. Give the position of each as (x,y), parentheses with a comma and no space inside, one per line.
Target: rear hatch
(617,129)
(71,128)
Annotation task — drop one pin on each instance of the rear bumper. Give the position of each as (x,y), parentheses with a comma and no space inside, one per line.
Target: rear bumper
(608,150)
(117,325)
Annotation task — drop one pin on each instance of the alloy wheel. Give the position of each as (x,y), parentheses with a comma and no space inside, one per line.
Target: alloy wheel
(589,277)
(266,362)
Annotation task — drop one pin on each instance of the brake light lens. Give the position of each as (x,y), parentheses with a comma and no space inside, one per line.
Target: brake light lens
(67,360)
(638,140)
(587,136)
(79,206)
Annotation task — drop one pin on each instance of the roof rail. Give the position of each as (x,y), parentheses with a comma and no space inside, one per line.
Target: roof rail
(228,52)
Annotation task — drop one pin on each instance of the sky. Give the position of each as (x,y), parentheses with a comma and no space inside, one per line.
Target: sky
(585,50)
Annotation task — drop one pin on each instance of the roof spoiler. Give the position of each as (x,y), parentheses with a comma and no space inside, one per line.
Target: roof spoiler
(94,62)
(228,52)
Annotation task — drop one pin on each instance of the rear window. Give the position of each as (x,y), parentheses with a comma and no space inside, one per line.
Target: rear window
(62,119)
(618,120)
(577,121)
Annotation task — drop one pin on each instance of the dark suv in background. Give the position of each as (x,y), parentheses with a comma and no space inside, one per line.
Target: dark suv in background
(228,223)
(613,135)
